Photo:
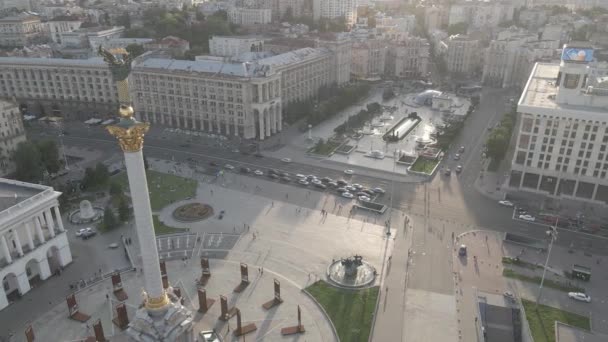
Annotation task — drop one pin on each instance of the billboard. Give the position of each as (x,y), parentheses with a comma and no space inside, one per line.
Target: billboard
(573,54)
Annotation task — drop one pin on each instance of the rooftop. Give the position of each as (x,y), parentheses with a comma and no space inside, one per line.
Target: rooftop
(95,61)
(540,91)
(13,192)
(201,66)
(294,56)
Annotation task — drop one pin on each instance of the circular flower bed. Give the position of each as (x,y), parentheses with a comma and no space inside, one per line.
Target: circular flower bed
(192,212)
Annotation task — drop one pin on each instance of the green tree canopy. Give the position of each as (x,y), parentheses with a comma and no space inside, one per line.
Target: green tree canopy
(116,189)
(135,50)
(28,162)
(49,154)
(123,209)
(109,219)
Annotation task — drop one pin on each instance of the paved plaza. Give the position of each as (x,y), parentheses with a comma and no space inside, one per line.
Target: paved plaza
(292,243)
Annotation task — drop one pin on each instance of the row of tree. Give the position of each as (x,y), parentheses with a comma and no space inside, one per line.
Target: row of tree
(331,99)
(35,159)
(498,140)
(358,120)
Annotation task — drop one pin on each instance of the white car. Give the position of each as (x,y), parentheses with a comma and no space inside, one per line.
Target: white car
(258,173)
(316,181)
(229,167)
(378,190)
(580,296)
(303,182)
(364,198)
(286,160)
(348,195)
(349,172)
(527,218)
(506,203)
(80,231)
(300,176)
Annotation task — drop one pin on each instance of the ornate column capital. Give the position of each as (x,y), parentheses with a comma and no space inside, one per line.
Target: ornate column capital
(129,132)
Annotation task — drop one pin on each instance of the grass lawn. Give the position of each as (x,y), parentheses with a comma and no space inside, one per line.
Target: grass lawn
(164,188)
(160,228)
(350,311)
(542,320)
(325,148)
(548,282)
(520,263)
(424,165)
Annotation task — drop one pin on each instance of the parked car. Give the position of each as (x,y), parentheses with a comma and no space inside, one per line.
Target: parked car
(286,179)
(210,336)
(461,149)
(284,174)
(580,296)
(303,182)
(286,160)
(273,175)
(332,184)
(364,199)
(245,170)
(316,181)
(212,163)
(300,176)
(347,195)
(459,169)
(326,179)
(349,172)
(341,190)
(229,167)
(447,172)
(80,231)
(378,190)
(457,156)
(341,182)
(506,203)
(258,173)
(527,217)
(320,185)
(88,232)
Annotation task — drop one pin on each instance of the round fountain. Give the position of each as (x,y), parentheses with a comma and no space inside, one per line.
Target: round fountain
(351,272)
(86,213)
(192,212)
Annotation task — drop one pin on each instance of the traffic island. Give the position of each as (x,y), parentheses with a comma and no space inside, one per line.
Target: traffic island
(424,166)
(192,212)
(542,320)
(351,311)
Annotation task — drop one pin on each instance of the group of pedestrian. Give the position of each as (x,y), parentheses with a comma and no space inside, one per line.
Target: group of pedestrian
(261,270)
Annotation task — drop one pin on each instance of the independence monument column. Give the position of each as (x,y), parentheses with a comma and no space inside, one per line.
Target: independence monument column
(160,319)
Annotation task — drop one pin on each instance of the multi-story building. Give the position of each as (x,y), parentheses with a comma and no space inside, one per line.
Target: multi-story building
(480,14)
(332,9)
(407,57)
(33,240)
(508,62)
(249,16)
(21,30)
(341,46)
(11,134)
(434,17)
(368,58)
(76,88)
(91,37)
(562,131)
(229,98)
(122,43)
(59,25)
(462,55)
(229,46)
(303,72)
(15,4)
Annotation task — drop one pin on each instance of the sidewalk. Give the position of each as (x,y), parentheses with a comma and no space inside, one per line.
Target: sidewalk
(390,313)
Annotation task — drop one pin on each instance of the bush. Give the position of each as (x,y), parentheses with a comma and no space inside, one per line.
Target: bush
(109,220)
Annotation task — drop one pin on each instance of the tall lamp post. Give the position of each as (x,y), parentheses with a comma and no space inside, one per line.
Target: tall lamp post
(390,218)
(552,233)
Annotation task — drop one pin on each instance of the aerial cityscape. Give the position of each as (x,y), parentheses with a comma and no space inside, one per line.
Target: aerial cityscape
(304,170)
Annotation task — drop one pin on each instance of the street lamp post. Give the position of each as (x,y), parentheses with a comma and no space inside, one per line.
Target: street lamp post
(390,218)
(553,236)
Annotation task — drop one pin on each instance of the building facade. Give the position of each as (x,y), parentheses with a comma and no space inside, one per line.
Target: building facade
(368,59)
(11,134)
(75,88)
(33,240)
(249,16)
(332,9)
(341,47)
(60,25)
(462,55)
(562,133)
(303,72)
(237,99)
(21,30)
(229,46)
(407,57)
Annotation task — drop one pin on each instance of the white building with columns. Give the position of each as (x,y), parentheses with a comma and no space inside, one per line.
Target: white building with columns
(33,241)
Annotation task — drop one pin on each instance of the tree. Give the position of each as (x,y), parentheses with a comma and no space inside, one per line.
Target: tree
(123,209)
(28,162)
(49,154)
(124,20)
(135,50)
(458,28)
(116,189)
(109,220)
(102,175)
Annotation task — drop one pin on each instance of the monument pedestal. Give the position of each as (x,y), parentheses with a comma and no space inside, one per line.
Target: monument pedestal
(174,325)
